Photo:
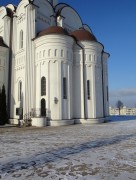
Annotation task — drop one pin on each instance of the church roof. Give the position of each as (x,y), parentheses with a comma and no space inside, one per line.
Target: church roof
(53,30)
(79,35)
(83,35)
(2,43)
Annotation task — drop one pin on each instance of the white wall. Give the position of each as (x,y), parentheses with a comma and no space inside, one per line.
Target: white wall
(77,87)
(4,68)
(106,88)
(93,72)
(54,66)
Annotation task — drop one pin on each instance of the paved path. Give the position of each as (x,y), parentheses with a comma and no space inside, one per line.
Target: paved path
(85,152)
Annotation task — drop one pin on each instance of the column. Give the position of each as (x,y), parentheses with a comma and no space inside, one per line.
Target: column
(93,91)
(38,89)
(60,90)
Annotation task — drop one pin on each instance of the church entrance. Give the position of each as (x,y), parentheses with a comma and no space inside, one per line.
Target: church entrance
(43,107)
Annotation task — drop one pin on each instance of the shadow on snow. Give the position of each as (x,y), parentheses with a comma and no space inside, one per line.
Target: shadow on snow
(43,158)
(121,118)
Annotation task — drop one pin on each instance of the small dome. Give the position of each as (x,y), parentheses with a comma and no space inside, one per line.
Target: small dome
(83,35)
(9,12)
(2,43)
(53,30)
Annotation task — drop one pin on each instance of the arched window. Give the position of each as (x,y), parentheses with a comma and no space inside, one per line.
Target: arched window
(64,88)
(19,90)
(21,39)
(55,52)
(88,89)
(43,86)
(43,107)
(62,53)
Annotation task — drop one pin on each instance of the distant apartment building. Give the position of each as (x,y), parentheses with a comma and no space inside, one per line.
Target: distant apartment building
(123,111)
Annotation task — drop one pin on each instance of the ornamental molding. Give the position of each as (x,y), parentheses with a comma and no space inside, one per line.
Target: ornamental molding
(21,18)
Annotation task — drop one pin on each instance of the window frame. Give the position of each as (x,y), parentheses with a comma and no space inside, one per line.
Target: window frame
(88,90)
(64,88)
(43,86)
(19,90)
(21,40)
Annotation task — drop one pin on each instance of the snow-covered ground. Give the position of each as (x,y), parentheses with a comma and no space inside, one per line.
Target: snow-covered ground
(85,152)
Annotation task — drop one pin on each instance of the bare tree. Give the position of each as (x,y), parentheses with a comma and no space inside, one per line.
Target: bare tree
(119,105)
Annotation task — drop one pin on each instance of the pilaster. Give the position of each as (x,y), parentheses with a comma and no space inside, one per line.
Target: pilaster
(59,89)
(82,88)
(38,92)
(94,90)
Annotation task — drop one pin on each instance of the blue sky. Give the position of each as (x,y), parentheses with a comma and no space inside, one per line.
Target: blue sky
(114,24)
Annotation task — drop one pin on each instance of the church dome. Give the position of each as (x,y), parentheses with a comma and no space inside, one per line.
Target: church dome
(83,35)
(9,12)
(53,30)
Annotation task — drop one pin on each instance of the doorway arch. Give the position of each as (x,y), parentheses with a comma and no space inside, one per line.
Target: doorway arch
(43,107)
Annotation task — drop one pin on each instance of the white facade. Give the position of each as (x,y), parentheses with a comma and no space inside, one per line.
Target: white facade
(125,111)
(51,65)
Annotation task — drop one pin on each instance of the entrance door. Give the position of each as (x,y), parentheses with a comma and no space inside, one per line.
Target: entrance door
(43,107)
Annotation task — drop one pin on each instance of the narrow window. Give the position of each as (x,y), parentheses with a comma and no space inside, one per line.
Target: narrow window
(62,53)
(90,57)
(88,89)
(43,86)
(94,58)
(21,40)
(43,107)
(55,52)
(19,90)
(64,88)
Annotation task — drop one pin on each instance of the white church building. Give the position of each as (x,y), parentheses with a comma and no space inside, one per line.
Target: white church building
(53,67)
